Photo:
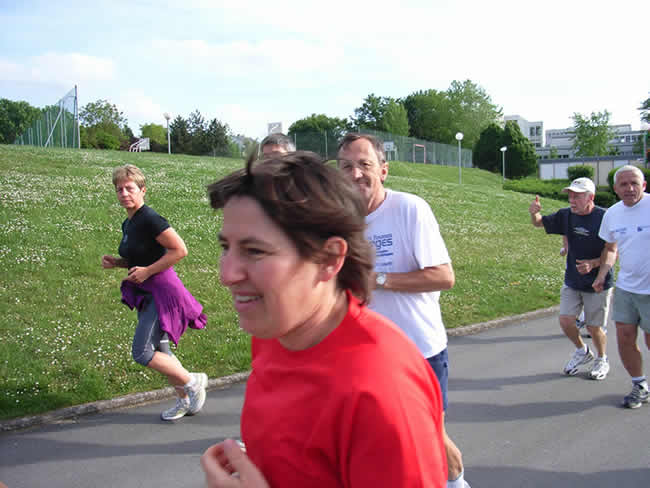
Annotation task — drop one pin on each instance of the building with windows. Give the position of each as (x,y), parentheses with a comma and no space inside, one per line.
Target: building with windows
(558,143)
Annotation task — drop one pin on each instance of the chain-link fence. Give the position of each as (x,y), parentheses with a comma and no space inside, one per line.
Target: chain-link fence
(58,125)
(397,148)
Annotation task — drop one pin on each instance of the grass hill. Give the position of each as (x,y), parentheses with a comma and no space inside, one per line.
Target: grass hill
(66,338)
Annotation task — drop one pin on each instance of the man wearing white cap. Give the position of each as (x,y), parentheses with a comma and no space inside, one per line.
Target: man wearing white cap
(580,223)
(626,228)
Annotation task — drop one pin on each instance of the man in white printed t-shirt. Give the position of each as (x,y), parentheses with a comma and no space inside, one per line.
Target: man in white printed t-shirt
(626,226)
(412,264)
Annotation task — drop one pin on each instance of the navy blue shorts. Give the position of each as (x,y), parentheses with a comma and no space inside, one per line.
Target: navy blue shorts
(440,365)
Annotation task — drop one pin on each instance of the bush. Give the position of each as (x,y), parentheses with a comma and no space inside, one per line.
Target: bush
(535,186)
(580,171)
(605,198)
(106,140)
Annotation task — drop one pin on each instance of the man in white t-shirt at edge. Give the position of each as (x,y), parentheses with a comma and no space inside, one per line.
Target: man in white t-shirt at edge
(412,264)
(626,227)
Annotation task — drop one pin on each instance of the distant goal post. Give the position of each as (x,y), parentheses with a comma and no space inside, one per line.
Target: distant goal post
(419,149)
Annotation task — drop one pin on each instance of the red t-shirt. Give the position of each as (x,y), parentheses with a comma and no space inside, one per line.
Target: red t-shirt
(360,409)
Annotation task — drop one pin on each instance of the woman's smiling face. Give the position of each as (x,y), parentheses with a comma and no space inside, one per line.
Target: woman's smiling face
(275,290)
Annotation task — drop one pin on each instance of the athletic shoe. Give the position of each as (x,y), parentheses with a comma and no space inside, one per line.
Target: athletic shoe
(578,359)
(201,379)
(600,369)
(637,396)
(179,410)
(196,392)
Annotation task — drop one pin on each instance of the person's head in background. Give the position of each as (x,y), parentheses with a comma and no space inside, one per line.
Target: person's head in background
(276,143)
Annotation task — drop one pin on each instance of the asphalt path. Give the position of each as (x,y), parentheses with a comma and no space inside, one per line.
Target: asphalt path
(518,420)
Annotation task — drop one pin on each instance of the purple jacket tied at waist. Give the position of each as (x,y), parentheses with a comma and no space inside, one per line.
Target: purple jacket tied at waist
(177,308)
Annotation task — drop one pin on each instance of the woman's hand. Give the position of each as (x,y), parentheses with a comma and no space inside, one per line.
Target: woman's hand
(110,261)
(227,466)
(138,274)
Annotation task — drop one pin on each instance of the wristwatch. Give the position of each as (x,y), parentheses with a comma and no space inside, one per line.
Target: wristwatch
(380,279)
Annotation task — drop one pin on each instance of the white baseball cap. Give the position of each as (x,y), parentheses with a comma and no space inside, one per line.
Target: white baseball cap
(581,185)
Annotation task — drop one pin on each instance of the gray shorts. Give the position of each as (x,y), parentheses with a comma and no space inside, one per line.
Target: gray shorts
(595,305)
(632,308)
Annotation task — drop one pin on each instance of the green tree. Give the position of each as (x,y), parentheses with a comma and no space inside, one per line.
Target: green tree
(155,132)
(334,127)
(371,114)
(319,133)
(645,110)
(103,126)
(472,110)
(521,160)
(179,135)
(428,115)
(101,112)
(486,154)
(438,115)
(218,139)
(197,127)
(591,135)
(396,119)
(520,156)
(15,118)
(553,154)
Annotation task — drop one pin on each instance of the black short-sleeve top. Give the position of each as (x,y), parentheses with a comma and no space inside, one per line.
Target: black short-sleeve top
(139,246)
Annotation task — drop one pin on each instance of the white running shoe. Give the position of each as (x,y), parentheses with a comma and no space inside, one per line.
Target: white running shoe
(200,378)
(578,359)
(179,410)
(196,392)
(600,369)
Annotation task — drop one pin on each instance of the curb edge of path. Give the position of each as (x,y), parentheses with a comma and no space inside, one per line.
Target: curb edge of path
(136,399)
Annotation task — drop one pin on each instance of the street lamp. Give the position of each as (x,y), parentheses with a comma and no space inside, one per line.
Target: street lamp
(503,160)
(459,137)
(169,145)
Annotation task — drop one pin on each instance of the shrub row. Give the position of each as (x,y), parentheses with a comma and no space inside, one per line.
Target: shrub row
(553,189)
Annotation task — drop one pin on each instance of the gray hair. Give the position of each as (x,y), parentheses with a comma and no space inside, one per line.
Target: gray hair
(629,167)
(279,139)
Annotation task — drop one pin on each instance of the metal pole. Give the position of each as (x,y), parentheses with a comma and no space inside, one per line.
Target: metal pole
(169,144)
(460,176)
(503,163)
(76,116)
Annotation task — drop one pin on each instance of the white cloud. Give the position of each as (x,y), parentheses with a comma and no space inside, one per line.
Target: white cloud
(140,109)
(63,68)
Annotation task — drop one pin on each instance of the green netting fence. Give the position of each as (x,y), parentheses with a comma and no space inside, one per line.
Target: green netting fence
(58,125)
(397,148)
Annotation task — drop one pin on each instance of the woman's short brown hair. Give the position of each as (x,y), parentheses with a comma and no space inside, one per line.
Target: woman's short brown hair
(130,173)
(311,202)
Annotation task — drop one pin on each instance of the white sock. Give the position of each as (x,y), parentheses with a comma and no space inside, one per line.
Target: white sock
(458,482)
(640,379)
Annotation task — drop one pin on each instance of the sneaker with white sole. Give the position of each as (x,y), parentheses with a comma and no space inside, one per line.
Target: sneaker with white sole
(578,359)
(200,378)
(196,392)
(179,410)
(637,396)
(600,369)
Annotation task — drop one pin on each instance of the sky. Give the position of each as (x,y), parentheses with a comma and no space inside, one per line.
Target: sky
(252,63)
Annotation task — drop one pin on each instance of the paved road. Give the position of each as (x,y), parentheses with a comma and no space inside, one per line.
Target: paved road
(518,420)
